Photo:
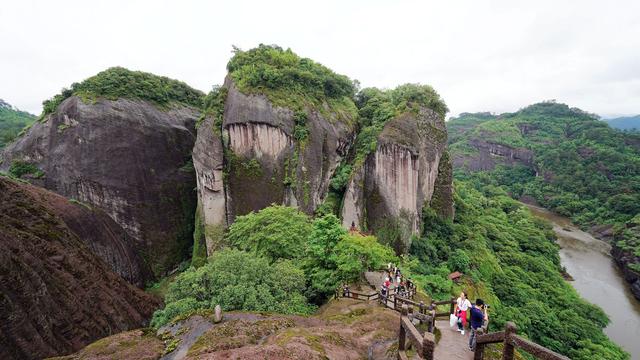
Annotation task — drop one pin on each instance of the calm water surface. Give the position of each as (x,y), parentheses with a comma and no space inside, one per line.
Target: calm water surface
(597,279)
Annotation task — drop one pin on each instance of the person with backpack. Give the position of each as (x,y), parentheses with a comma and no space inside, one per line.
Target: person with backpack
(462,305)
(478,317)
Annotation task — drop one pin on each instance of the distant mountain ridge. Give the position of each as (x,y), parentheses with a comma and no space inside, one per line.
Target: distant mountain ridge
(625,122)
(12,121)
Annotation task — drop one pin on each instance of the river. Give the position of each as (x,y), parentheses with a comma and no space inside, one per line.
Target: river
(597,279)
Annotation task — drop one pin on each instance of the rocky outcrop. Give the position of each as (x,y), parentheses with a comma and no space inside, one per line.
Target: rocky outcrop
(489,154)
(344,329)
(624,259)
(208,161)
(126,157)
(56,295)
(401,176)
(262,160)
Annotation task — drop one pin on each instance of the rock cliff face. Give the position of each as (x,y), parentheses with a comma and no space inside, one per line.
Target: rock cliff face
(208,161)
(400,177)
(267,165)
(263,161)
(57,296)
(490,154)
(126,157)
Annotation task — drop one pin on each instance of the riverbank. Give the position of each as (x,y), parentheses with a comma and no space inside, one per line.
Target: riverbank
(624,259)
(597,278)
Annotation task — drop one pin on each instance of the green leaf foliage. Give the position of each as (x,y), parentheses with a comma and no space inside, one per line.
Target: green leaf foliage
(289,80)
(236,280)
(584,169)
(19,169)
(277,232)
(333,257)
(511,261)
(118,82)
(12,123)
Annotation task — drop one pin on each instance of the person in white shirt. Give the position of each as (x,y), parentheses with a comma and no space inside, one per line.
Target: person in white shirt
(462,305)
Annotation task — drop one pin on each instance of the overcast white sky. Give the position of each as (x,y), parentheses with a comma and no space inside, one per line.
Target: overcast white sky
(479,55)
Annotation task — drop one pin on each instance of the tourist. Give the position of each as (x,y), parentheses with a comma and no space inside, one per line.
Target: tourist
(345,290)
(478,317)
(462,305)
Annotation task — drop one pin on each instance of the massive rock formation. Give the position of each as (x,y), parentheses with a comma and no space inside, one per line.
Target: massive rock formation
(126,157)
(56,295)
(263,161)
(401,176)
(290,171)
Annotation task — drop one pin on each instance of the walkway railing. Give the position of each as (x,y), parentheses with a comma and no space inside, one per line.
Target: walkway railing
(512,341)
(356,295)
(424,344)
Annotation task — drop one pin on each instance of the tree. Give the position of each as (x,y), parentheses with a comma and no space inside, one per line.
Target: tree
(236,280)
(277,232)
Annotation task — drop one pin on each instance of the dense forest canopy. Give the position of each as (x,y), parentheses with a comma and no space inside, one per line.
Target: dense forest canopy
(12,122)
(582,168)
(118,82)
(512,262)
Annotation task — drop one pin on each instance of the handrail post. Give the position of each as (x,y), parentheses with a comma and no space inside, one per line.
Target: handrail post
(432,322)
(451,306)
(479,350)
(428,346)
(508,350)
(421,306)
(403,334)
(395,302)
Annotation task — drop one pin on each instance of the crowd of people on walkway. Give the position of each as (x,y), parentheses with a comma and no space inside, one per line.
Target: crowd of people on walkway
(477,314)
(397,282)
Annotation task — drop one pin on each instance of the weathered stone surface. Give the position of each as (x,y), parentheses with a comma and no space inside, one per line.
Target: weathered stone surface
(126,157)
(344,329)
(57,296)
(266,165)
(490,154)
(217,314)
(208,161)
(442,199)
(400,177)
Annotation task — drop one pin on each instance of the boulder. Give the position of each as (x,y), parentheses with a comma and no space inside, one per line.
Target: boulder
(57,295)
(127,157)
(254,160)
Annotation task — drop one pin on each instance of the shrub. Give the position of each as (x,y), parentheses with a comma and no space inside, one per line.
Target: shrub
(118,82)
(236,280)
(20,168)
(277,232)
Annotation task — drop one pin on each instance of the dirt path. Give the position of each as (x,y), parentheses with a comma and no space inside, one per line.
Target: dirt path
(452,345)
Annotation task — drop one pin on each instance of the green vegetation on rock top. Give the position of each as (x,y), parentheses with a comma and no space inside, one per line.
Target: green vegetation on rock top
(288,80)
(118,82)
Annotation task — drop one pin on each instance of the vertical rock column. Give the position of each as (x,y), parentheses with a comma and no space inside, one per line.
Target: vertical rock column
(208,161)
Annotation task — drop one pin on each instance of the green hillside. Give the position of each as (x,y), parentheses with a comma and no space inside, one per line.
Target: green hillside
(12,121)
(582,168)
